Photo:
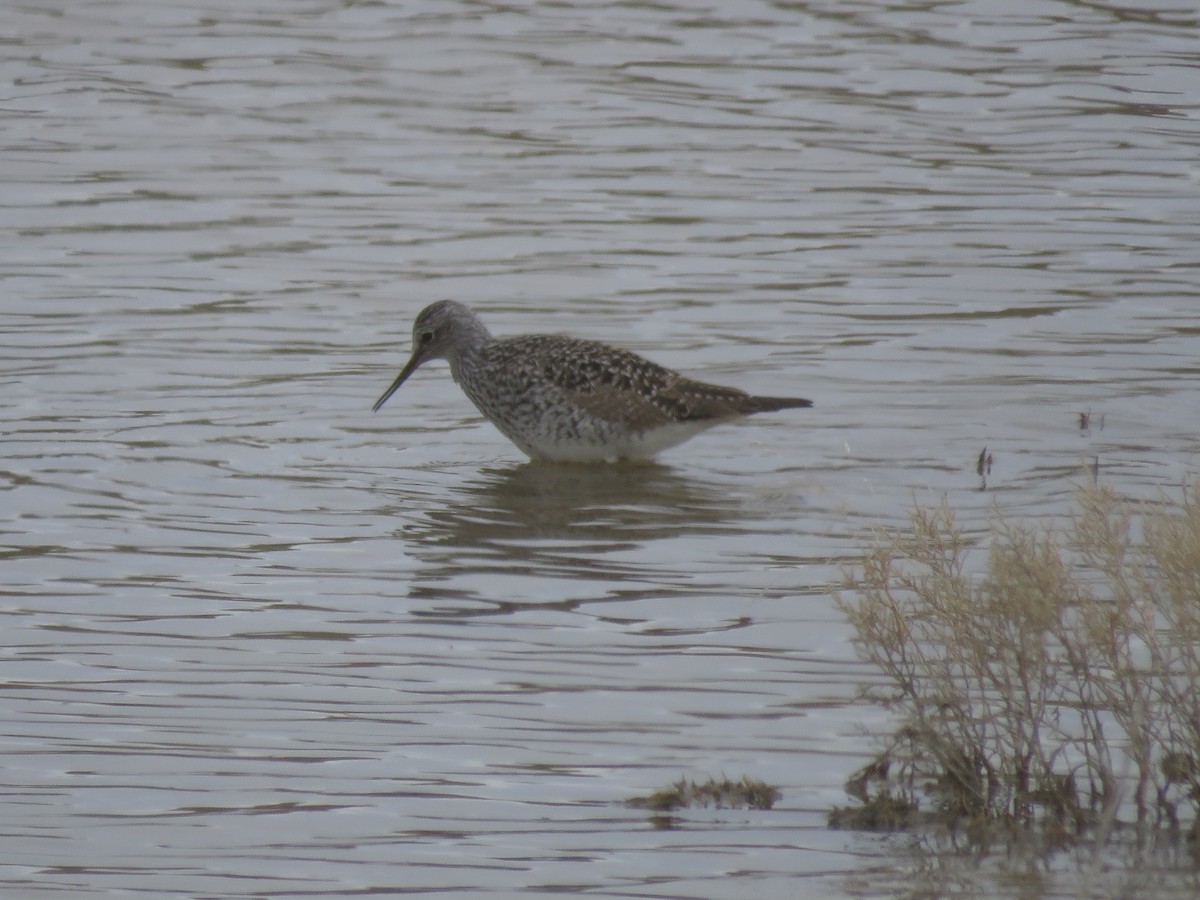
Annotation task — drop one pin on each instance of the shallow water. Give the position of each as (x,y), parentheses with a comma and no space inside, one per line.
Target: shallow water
(261,642)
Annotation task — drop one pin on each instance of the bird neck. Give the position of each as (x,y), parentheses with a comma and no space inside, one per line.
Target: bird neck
(464,355)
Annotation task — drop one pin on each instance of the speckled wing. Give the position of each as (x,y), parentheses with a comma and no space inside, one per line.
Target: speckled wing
(619,386)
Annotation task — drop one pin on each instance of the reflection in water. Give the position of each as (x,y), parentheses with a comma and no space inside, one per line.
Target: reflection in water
(606,505)
(606,530)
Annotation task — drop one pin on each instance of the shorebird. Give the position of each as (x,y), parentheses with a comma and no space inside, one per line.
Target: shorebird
(568,400)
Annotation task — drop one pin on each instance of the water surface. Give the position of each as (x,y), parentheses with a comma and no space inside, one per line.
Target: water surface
(261,642)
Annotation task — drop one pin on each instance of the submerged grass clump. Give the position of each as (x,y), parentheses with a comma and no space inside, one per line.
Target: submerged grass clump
(1060,688)
(723,794)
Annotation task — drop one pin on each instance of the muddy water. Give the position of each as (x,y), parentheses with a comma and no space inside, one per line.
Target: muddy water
(261,642)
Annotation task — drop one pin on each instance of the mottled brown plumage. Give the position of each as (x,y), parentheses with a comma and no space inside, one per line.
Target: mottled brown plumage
(567,399)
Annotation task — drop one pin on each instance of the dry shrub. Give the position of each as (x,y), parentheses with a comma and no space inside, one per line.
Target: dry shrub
(1059,687)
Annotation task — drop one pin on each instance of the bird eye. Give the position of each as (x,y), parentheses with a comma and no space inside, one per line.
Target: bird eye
(425,337)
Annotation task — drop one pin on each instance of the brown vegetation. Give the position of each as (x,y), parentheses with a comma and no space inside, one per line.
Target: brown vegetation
(1060,688)
(723,794)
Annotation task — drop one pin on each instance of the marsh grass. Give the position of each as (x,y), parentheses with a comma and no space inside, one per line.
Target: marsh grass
(723,793)
(1059,689)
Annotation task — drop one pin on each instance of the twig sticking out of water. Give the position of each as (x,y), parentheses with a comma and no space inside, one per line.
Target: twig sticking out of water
(983,468)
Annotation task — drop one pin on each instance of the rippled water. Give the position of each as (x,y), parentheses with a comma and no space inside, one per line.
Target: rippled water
(261,642)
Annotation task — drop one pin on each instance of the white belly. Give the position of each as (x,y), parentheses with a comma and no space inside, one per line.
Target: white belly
(635,445)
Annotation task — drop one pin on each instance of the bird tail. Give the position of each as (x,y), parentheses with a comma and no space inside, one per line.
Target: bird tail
(770,404)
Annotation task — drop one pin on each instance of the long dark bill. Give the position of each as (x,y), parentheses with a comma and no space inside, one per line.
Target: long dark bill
(400,379)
